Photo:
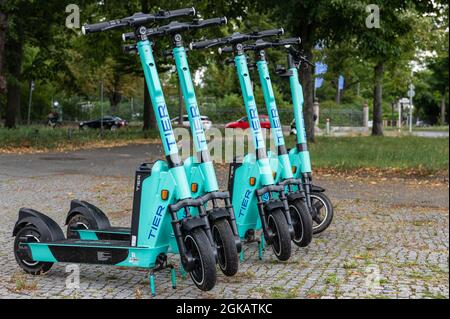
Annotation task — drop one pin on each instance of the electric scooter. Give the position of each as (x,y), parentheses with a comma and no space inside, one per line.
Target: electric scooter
(221,218)
(280,162)
(161,204)
(259,201)
(319,204)
(199,169)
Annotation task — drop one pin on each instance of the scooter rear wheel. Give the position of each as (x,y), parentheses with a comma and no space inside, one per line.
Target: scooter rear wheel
(302,223)
(204,273)
(281,242)
(77,220)
(226,247)
(324,212)
(28,265)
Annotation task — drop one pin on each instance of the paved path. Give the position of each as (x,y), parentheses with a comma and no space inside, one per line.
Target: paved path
(390,237)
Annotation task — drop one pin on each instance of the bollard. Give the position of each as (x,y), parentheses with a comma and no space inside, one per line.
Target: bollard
(366,115)
(316,111)
(328,126)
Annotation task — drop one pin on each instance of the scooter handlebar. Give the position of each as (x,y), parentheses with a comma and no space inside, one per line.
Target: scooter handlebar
(261,45)
(177,27)
(236,38)
(136,19)
(269,33)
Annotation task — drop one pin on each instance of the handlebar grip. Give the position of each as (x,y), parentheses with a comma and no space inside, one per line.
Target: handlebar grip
(101,26)
(225,50)
(212,22)
(128,36)
(204,44)
(181,12)
(290,41)
(269,33)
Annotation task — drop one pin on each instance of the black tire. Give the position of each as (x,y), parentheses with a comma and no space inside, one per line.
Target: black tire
(281,242)
(204,273)
(28,265)
(77,220)
(302,223)
(226,247)
(324,210)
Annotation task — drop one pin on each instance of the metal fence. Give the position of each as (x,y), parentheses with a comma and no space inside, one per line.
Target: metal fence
(342,117)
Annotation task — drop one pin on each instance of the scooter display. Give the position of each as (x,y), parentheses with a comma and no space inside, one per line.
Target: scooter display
(319,204)
(259,201)
(162,203)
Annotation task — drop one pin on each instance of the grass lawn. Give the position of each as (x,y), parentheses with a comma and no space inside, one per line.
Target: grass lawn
(39,138)
(408,152)
(427,155)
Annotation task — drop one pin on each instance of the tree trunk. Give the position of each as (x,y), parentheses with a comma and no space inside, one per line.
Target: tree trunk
(377,128)
(14,52)
(3,28)
(307,81)
(443,108)
(114,99)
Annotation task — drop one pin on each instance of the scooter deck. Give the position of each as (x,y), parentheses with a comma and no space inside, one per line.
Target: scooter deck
(90,243)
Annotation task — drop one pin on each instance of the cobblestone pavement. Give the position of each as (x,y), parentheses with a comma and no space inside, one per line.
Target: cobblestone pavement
(380,245)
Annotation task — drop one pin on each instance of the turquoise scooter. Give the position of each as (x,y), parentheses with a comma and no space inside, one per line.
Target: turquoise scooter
(199,169)
(162,204)
(259,202)
(280,162)
(320,206)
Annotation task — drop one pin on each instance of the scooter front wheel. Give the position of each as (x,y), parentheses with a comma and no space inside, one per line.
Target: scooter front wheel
(281,240)
(204,272)
(31,234)
(323,211)
(302,223)
(226,247)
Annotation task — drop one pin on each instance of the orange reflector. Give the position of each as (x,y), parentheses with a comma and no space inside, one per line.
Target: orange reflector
(164,194)
(252,181)
(194,187)
(294,169)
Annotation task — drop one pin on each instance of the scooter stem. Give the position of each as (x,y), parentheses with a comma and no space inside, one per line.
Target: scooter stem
(190,101)
(240,61)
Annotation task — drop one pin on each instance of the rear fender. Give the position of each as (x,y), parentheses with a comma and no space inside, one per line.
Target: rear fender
(47,227)
(96,217)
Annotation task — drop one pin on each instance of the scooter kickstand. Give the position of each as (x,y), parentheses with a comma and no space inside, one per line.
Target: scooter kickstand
(183,272)
(173,276)
(152,283)
(260,249)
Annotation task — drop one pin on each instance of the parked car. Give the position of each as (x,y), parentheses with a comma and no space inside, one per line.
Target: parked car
(109,122)
(242,123)
(207,124)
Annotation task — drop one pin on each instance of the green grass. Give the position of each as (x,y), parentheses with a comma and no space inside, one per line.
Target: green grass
(409,152)
(44,138)
(428,155)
